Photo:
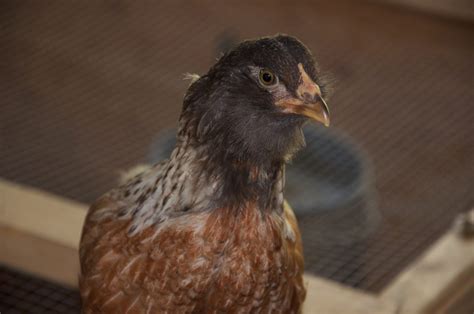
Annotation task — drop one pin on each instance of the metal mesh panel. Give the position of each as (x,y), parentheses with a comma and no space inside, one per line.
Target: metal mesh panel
(21,293)
(86,88)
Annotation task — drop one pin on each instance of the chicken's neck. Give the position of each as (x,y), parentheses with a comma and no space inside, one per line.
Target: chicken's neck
(199,178)
(218,180)
(242,183)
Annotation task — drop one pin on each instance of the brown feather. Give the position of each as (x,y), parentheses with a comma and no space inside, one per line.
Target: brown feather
(206,262)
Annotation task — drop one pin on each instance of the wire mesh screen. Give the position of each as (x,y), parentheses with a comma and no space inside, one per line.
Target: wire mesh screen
(87,89)
(21,293)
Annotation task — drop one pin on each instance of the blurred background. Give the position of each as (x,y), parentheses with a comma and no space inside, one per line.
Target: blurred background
(89,89)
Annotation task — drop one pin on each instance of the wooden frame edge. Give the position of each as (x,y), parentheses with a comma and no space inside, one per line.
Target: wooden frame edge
(436,278)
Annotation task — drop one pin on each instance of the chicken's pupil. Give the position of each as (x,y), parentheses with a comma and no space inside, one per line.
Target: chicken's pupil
(267,77)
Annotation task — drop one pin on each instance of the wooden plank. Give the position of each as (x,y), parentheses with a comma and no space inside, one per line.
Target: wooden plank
(443,273)
(38,256)
(41,214)
(329,297)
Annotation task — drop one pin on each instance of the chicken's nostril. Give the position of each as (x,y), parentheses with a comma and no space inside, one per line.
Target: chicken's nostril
(310,98)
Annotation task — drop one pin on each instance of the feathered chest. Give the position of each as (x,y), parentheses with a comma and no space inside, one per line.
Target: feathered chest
(167,241)
(201,262)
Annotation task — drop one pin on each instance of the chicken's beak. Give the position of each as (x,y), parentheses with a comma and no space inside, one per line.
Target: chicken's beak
(308,102)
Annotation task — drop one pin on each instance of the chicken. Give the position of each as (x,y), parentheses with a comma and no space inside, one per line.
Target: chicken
(208,230)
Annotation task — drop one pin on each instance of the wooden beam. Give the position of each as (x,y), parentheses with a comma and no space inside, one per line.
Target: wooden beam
(436,278)
(38,256)
(329,297)
(41,214)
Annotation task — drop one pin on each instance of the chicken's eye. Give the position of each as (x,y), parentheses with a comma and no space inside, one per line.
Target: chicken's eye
(267,78)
